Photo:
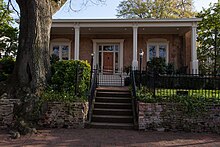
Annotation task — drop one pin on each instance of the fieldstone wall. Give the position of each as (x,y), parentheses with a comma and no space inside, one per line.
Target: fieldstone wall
(64,115)
(6,112)
(172,117)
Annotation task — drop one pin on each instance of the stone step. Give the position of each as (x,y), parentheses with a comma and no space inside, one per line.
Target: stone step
(112,125)
(113,94)
(112,118)
(115,89)
(113,99)
(104,111)
(112,105)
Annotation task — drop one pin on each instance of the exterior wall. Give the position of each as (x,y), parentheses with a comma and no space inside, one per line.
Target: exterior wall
(171,117)
(179,46)
(69,115)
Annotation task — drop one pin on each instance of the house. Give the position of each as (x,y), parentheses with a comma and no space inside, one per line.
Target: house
(116,43)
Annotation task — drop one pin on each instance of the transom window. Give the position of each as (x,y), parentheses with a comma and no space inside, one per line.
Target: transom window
(61,50)
(157,49)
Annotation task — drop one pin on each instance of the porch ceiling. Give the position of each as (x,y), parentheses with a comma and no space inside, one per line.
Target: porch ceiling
(121,30)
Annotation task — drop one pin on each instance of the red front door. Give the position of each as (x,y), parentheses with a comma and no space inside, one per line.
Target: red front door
(108,62)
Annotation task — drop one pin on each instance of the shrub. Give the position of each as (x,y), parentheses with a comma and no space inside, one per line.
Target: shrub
(69,81)
(157,66)
(6,67)
(192,103)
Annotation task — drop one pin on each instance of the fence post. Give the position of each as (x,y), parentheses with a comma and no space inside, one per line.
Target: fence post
(76,79)
(154,90)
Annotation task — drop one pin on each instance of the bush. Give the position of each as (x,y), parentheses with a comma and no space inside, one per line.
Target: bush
(157,66)
(6,67)
(69,80)
(192,103)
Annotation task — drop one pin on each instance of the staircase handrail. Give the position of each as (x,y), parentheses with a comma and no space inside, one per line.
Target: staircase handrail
(92,93)
(134,97)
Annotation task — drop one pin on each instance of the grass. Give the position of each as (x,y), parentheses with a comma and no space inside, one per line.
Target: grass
(201,92)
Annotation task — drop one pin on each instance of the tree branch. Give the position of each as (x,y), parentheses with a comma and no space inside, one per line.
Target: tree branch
(10,3)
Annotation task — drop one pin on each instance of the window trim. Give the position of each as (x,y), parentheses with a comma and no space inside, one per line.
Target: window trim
(157,43)
(60,42)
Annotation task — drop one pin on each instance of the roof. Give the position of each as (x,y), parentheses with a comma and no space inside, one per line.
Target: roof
(125,20)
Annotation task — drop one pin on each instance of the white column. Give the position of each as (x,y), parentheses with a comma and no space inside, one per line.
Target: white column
(134,61)
(76,49)
(194,61)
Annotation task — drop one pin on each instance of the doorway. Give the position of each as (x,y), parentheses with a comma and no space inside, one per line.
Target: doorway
(108,62)
(108,58)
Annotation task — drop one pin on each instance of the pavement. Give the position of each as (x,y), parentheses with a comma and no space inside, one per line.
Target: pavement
(109,138)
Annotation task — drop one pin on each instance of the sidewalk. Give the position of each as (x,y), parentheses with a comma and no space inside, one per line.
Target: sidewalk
(107,137)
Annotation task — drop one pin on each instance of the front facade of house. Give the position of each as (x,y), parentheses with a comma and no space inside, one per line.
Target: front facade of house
(116,43)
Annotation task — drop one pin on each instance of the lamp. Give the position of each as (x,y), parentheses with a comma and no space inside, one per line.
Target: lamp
(141,54)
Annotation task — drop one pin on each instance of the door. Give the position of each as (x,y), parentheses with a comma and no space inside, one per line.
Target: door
(108,62)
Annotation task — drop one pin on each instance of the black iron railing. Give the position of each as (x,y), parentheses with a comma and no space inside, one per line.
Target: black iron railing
(165,85)
(92,93)
(134,97)
(112,78)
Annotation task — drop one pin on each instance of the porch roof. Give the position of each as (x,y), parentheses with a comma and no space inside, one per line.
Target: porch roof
(124,26)
(125,20)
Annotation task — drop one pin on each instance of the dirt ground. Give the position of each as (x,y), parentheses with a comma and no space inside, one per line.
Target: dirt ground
(109,137)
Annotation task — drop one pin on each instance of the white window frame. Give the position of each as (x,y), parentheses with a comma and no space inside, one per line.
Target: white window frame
(59,42)
(157,43)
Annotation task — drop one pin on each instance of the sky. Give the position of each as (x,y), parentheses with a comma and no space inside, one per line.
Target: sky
(105,10)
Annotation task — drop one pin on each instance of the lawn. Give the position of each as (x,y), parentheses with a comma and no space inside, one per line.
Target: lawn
(201,92)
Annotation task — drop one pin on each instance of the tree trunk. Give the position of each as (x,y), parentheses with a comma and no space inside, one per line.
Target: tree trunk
(32,62)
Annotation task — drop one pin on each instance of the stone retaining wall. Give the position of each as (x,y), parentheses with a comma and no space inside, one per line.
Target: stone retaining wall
(67,115)
(171,117)
(6,112)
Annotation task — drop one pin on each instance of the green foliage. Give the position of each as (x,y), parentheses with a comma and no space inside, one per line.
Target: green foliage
(6,67)
(69,82)
(192,103)
(207,29)
(155,9)
(64,96)
(159,66)
(53,59)
(8,34)
(144,95)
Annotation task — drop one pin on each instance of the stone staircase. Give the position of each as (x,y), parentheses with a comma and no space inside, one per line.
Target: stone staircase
(112,108)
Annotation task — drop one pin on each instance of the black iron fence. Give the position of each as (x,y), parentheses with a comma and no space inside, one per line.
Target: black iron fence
(169,85)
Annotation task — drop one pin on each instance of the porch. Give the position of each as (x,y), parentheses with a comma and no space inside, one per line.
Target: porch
(116,43)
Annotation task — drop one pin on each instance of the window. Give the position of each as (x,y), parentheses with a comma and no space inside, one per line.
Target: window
(157,49)
(61,50)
